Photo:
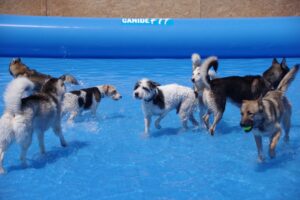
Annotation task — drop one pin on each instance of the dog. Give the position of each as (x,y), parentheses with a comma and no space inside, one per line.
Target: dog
(18,69)
(159,100)
(35,113)
(87,99)
(198,85)
(236,88)
(265,115)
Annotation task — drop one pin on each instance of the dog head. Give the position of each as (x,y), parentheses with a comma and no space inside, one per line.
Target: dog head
(145,89)
(276,72)
(251,114)
(17,68)
(110,91)
(55,87)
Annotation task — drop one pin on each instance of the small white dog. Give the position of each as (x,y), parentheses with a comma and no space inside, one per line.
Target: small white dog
(87,99)
(159,100)
(35,113)
(199,85)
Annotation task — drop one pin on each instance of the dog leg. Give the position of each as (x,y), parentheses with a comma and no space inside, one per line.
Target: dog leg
(40,136)
(217,118)
(157,121)
(273,142)
(258,141)
(205,118)
(147,121)
(72,116)
(286,122)
(58,132)
(2,170)
(24,148)
(194,121)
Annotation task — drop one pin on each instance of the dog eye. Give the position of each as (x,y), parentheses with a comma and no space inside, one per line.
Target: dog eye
(144,88)
(249,113)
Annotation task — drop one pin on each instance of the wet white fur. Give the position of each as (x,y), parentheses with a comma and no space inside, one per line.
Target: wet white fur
(199,83)
(173,95)
(17,124)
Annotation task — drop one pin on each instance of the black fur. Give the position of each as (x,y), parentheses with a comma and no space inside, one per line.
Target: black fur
(159,99)
(237,89)
(90,92)
(49,86)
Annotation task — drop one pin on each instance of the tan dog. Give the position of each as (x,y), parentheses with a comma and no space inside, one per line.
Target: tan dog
(19,69)
(266,115)
(87,99)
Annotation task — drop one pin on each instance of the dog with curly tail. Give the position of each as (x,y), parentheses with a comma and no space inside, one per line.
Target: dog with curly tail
(34,113)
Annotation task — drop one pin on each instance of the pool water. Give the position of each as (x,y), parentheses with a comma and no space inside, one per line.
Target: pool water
(108,158)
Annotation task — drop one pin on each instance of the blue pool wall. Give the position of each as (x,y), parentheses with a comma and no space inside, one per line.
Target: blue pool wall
(66,37)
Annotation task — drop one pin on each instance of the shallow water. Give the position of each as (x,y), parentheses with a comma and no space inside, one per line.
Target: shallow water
(107,157)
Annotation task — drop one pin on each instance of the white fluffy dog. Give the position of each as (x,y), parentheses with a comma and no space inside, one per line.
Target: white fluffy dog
(199,85)
(23,116)
(159,100)
(87,99)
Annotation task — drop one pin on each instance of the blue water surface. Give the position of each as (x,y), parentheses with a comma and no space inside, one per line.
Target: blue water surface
(108,158)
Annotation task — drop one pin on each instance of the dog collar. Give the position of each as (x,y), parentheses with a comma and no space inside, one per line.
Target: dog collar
(151,99)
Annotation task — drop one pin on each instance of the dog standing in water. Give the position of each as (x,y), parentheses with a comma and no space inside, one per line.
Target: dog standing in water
(35,113)
(87,99)
(236,88)
(265,115)
(160,100)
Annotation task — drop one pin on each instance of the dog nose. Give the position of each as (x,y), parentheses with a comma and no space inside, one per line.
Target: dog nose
(136,94)
(193,80)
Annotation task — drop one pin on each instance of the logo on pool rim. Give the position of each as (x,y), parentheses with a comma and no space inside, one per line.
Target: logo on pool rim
(148,21)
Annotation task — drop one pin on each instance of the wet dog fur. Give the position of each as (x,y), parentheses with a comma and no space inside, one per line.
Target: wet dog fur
(266,115)
(87,99)
(18,69)
(35,113)
(236,88)
(160,100)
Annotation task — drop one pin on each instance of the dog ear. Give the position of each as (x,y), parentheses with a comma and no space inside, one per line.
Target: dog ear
(105,89)
(153,84)
(137,84)
(16,60)
(283,64)
(275,61)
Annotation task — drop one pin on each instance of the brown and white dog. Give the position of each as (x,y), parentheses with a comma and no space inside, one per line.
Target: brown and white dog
(35,113)
(265,115)
(18,69)
(236,88)
(87,99)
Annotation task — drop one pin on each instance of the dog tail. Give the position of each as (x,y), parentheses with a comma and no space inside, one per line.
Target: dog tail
(288,79)
(196,60)
(205,73)
(14,93)
(69,79)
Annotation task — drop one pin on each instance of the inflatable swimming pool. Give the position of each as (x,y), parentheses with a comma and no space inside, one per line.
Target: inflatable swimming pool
(107,157)
(148,38)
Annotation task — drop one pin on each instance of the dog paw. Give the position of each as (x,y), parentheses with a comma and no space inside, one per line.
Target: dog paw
(64,144)
(272,154)
(211,131)
(158,126)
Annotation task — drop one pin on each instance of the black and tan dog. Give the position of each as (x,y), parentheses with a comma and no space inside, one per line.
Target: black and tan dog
(266,115)
(236,88)
(87,99)
(18,69)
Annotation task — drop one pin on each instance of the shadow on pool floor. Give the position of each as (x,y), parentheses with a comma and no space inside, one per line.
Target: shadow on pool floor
(51,156)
